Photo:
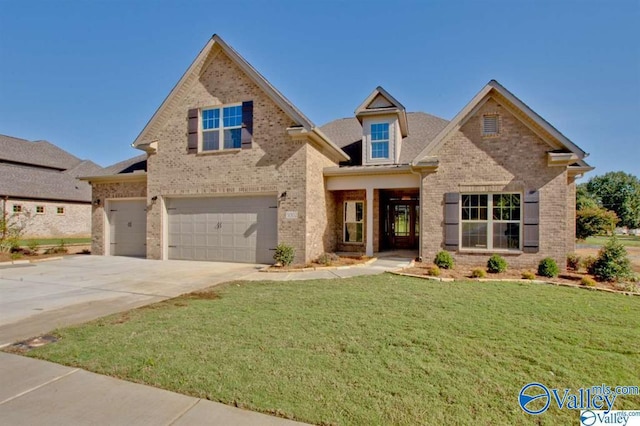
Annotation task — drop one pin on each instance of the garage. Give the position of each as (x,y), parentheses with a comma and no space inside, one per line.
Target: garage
(127,227)
(225,229)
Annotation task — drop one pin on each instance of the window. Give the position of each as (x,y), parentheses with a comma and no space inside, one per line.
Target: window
(60,210)
(490,125)
(17,208)
(380,140)
(222,128)
(353,221)
(39,209)
(491,221)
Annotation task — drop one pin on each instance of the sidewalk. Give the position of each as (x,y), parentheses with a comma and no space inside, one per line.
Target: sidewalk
(35,392)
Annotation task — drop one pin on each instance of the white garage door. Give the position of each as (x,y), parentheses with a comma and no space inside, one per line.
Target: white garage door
(227,229)
(128,227)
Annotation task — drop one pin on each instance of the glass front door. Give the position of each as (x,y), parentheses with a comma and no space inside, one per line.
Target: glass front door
(402,224)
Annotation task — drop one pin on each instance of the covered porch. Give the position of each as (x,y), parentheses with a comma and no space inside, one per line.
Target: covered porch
(376,213)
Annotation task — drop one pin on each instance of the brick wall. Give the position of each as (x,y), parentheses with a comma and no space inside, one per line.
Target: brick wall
(103,191)
(75,221)
(516,160)
(276,163)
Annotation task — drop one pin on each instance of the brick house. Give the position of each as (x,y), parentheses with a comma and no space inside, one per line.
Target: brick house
(39,180)
(233,169)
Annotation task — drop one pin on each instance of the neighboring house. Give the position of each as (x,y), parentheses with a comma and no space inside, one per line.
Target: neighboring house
(39,180)
(234,169)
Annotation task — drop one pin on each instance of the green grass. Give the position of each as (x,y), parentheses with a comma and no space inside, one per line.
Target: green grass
(371,350)
(54,241)
(627,240)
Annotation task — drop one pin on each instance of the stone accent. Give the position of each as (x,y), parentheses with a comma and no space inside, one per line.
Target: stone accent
(514,160)
(102,192)
(75,221)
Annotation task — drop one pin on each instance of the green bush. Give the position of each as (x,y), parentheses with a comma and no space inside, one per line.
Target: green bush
(548,268)
(573,261)
(433,271)
(327,259)
(587,281)
(496,264)
(587,264)
(612,263)
(284,254)
(594,221)
(444,260)
(478,273)
(528,275)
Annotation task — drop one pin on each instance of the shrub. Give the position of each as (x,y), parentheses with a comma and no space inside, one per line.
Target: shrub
(327,259)
(478,273)
(528,275)
(33,246)
(433,271)
(444,260)
(548,268)
(496,264)
(284,254)
(588,281)
(573,261)
(612,263)
(587,264)
(594,221)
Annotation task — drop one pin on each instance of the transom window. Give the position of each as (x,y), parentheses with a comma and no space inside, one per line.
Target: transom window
(491,221)
(490,125)
(353,221)
(380,140)
(222,128)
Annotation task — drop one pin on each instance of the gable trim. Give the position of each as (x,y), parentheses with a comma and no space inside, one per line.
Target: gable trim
(249,70)
(479,99)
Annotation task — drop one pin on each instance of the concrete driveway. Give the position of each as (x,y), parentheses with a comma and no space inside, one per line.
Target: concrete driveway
(37,298)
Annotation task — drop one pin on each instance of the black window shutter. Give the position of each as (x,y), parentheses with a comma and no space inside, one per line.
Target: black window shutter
(451,221)
(192,141)
(531,221)
(247,124)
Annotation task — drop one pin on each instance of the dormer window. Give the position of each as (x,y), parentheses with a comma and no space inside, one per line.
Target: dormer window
(380,140)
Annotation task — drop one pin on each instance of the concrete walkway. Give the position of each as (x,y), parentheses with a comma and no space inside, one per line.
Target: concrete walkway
(35,392)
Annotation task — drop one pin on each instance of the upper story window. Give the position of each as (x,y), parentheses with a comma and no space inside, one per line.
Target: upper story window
(222,128)
(380,140)
(17,208)
(39,209)
(60,210)
(490,125)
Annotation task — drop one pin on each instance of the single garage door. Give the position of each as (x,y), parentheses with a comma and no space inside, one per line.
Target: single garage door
(128,227)
(227,229)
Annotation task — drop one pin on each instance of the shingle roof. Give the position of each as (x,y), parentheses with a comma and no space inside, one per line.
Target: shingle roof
(127,166)
(39,153)
(38,183)
(423,128)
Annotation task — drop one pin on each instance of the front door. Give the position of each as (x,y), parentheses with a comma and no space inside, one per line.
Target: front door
(402,224)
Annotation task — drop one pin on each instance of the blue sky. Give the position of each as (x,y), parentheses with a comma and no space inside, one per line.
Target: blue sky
(88,75)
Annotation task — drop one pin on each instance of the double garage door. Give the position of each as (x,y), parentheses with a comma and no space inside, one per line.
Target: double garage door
(226,229)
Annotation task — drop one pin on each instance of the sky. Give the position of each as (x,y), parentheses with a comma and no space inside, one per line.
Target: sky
(88,75)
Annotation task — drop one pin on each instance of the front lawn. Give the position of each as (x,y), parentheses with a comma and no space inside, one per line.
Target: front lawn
(626,240)
(370,350)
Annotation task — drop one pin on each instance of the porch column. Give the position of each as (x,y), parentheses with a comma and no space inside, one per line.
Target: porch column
(369,221)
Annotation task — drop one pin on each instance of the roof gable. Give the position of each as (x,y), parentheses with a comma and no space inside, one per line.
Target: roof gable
(519,109)
(193,72)
(381,102)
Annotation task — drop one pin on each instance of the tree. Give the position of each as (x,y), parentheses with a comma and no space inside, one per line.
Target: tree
(12,226)
(583,198)
(594,221)
(620,192)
